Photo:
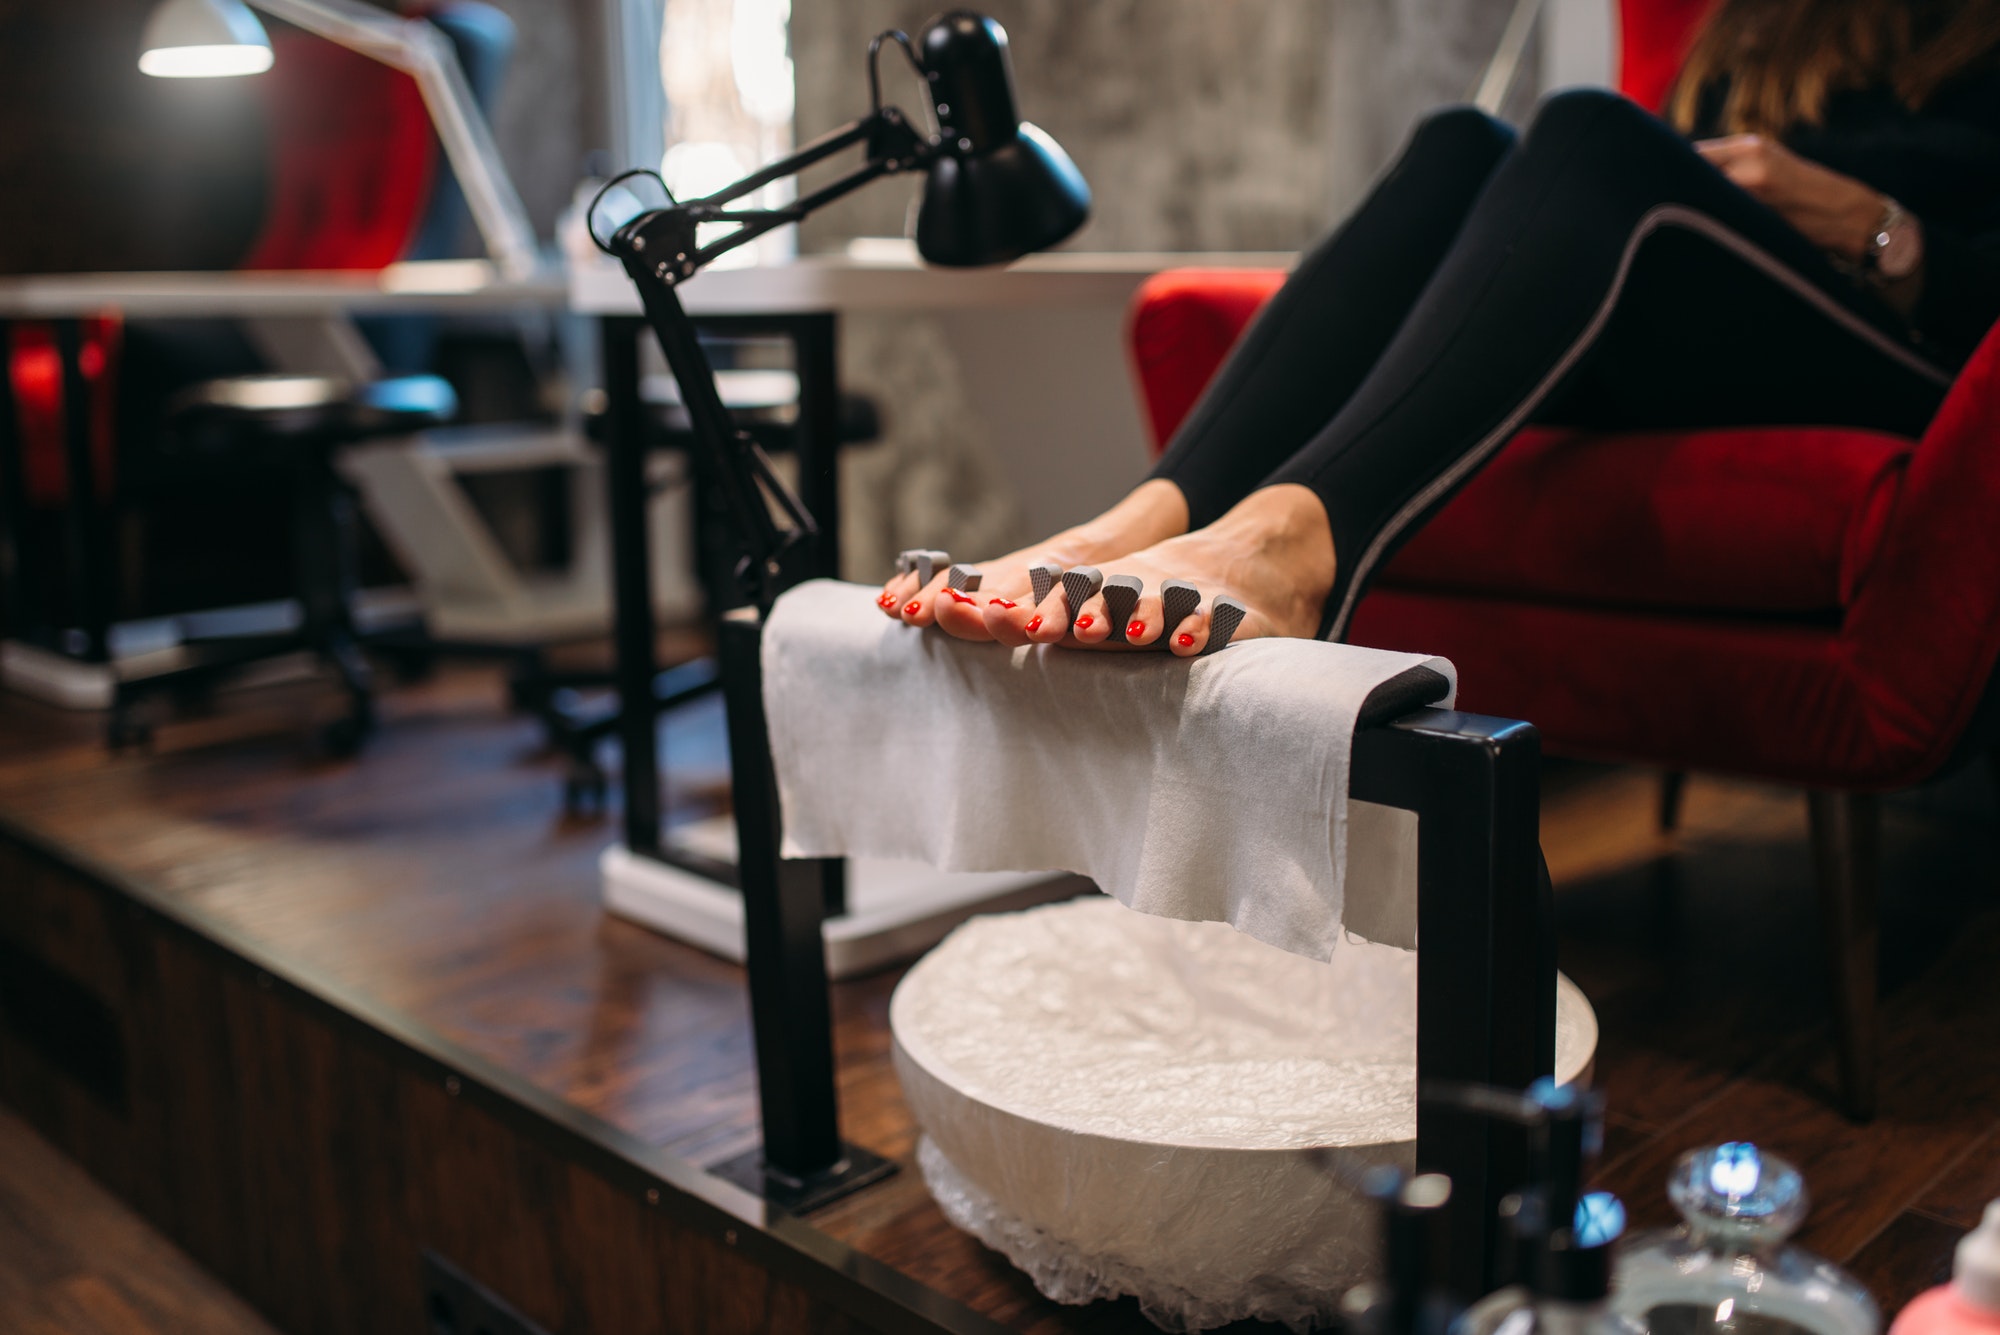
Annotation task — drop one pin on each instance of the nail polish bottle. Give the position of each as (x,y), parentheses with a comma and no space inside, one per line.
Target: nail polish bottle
(1970,1304)
(1727,1270)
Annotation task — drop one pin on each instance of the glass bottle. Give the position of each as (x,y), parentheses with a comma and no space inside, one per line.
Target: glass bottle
(1727,1270)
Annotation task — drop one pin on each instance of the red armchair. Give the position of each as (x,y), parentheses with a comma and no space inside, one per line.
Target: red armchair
(1817,606)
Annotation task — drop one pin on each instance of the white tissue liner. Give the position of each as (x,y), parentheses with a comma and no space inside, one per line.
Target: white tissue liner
(1212,789)
(1128,1104)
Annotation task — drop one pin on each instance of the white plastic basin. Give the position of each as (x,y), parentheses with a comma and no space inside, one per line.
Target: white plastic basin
(1128,1104)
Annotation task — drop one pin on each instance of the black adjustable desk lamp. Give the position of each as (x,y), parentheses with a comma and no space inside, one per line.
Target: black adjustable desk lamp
(995,189)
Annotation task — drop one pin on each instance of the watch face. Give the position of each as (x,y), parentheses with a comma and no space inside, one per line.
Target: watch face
(1899,249)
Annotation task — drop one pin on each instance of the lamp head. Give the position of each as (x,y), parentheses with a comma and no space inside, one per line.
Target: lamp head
(999,188)
(198,39)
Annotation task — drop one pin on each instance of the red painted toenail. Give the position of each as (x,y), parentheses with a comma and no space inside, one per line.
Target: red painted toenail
(1001,602)
(913,609)
(1034,625)
(958,597)
(1136,629)
(1085,623)
(1184,641)
(886,600)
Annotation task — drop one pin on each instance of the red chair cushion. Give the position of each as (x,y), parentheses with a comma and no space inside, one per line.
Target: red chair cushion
(1770,520)
(1738,695)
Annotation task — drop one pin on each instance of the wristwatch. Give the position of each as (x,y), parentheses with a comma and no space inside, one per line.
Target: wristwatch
(1896,247)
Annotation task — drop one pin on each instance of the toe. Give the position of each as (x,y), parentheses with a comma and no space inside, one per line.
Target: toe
(920,609)
(1144,628)
(1092,624)
(1050,621)
(894,594)
(1191,636)
(961,614)
(1007,619)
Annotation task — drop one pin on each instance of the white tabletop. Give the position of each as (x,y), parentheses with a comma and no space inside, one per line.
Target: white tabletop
(884,280)
(418,285)
(878,280)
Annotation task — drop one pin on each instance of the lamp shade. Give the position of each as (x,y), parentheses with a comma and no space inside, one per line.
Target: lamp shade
(1001,188)
(199,39)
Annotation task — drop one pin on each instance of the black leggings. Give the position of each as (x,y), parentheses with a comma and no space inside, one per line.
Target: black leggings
(1598,274)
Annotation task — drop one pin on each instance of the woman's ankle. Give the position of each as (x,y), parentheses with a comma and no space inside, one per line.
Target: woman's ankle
(1286,519)
(1151,512)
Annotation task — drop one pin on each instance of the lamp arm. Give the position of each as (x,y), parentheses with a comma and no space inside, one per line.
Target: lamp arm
(828,144)
(756,223)
(418,49)
(659,252)
(667,236)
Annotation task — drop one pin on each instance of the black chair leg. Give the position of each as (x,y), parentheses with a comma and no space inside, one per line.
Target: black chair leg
(323,543)
(1846,836)
(1673,783)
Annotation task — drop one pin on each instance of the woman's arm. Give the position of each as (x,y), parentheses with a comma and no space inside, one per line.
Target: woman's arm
(1837,213)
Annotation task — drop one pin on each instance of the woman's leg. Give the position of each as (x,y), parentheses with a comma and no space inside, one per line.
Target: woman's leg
(1608,271)
(1305,353)
(1316,340)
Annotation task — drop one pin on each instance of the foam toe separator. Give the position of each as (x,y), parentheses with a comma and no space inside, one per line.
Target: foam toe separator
(1225,614)
(1080,585)
(1042,578)
(1121,596)
(1178,601)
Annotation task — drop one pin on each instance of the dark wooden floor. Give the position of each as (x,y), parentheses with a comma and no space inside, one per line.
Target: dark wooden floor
(74,1261)
(437,875)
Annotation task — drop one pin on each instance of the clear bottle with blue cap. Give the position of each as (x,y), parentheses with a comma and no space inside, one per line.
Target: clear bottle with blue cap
(1728,1269)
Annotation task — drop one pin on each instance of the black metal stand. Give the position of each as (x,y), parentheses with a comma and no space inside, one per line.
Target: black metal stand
(1486,971)
(803,1163)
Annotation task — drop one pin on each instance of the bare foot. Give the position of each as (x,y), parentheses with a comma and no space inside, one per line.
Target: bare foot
(1273,553)
(1155,510)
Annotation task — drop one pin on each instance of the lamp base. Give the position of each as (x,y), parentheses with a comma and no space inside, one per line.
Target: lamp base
(856,1169)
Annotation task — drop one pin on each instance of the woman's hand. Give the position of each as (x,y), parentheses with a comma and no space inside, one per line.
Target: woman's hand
(1836,213)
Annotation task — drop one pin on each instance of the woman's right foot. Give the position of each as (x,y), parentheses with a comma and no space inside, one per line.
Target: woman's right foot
(1152,513)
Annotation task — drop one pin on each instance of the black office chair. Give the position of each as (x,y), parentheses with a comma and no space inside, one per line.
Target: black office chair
(291,427)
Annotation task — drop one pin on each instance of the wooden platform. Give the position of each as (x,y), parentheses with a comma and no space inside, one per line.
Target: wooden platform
(431,894)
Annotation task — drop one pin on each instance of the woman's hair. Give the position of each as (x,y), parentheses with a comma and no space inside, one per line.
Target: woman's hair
(1782,59)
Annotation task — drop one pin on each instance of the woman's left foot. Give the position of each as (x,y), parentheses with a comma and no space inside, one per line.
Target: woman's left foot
(1273,553)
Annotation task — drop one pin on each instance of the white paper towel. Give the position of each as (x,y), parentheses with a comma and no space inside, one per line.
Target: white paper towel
(1210,790)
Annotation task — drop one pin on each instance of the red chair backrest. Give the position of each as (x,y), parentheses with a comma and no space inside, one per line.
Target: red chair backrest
(352,158)
(1653,40)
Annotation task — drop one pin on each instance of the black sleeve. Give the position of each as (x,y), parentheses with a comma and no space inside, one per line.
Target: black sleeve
(1961,294)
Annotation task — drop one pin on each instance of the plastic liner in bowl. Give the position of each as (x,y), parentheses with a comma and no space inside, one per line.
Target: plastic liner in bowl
(1123,1104)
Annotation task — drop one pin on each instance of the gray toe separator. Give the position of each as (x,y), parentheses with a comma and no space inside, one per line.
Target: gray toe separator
(1080,585)
(925,561)
(1225,614)
(965,579)
(1178,601)
(1121,596)
(1042,578)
